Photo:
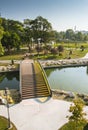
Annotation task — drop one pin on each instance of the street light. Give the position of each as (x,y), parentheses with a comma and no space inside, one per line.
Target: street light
(7,104)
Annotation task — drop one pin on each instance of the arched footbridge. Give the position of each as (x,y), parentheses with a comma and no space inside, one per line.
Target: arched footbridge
(33,80)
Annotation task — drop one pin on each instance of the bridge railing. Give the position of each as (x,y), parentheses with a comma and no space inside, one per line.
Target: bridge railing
(20,86)
(44,76)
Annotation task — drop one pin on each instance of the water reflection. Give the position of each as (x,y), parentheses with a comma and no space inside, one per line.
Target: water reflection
(87,70)
(69,79)
(9,75)
(10,80)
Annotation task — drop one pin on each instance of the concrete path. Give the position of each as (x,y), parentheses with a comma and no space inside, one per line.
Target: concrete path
(9,61)
(30,114)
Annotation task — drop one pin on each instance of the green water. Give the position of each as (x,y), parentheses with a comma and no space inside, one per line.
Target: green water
(73,79)
(10,80)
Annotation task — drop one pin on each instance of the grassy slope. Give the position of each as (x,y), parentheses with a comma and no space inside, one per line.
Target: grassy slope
(76,53)
(4,124)
(74,126)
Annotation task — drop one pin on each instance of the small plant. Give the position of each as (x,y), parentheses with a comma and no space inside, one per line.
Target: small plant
(76,120)
(82,48)
(12,62)
(77,111)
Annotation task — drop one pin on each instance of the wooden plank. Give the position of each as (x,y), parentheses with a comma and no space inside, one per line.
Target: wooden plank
(32,82)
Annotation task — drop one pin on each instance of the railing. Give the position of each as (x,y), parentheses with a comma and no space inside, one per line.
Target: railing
(20,79)
(44,75)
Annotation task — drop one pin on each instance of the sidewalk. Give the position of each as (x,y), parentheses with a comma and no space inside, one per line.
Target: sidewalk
(30,114)
(9,61)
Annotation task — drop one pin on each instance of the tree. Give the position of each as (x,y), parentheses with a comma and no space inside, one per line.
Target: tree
(14,28)
(60,36)
(60,49)
(15,40)
(82,48)
(69,34)
(1,29)
(43,28)
(1,49)
(28,38)
(1,35)
(38,48)
(54,50)
(10,40)
(79,36)
(86,38)
(77,111)
(7,41)
(39,28)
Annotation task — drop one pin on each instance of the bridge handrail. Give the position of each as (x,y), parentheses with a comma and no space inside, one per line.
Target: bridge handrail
(20,78)
(44,75)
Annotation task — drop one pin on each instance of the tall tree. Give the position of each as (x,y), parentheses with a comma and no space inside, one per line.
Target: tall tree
(13,26)
(40,28)
(10,40)
(79,36)
(1,35)
(28,37)
(70,34)
(60,36)
(7,41)
(1,50)
(15,40)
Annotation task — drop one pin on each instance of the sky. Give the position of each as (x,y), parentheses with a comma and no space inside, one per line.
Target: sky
(62,14)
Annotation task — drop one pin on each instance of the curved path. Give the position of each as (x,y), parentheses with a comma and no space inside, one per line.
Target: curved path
(30,114)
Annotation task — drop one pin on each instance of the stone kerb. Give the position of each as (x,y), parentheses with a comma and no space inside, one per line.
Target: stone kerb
(65,62)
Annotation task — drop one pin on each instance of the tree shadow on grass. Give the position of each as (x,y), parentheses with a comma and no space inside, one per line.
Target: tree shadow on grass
(6,129)
(85,127)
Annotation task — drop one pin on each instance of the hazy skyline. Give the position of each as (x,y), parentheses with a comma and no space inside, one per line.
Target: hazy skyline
(62,14)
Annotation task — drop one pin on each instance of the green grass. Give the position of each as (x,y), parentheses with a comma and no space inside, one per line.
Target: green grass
(76,52)
(73,125)
(73,45)
(11,57)
(4,124)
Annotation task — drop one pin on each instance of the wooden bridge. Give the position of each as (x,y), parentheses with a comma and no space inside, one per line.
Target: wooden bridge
(33,81)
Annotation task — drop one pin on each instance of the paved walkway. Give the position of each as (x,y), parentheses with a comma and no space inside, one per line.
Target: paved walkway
(9,61)
(30,114)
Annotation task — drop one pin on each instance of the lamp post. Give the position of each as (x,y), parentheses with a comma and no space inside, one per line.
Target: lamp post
(7,104)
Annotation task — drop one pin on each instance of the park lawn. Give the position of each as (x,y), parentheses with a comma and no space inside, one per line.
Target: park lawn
(76,53)
(11,57)
(72,45)
(4,124)
(72,125)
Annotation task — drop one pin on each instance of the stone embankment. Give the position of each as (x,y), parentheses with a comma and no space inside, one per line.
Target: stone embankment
(64,62)
(68,96)
(8,68)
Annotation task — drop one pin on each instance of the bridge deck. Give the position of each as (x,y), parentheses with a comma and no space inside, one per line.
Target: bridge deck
(32,83)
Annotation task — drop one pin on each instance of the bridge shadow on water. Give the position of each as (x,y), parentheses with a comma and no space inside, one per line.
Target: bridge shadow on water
(42,99)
